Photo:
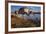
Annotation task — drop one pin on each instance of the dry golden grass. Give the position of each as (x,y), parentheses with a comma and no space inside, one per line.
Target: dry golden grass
(19,22)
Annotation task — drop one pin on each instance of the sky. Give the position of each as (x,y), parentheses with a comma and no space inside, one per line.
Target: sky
(35,8)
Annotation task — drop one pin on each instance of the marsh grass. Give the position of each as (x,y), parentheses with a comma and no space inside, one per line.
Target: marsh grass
(22,23)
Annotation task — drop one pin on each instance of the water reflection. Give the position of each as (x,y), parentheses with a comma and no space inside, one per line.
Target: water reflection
(31,16)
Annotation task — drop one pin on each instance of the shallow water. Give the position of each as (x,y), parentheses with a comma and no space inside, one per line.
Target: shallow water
(31,16)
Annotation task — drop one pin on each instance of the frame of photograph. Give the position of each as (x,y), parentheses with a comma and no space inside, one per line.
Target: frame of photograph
(6,16)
